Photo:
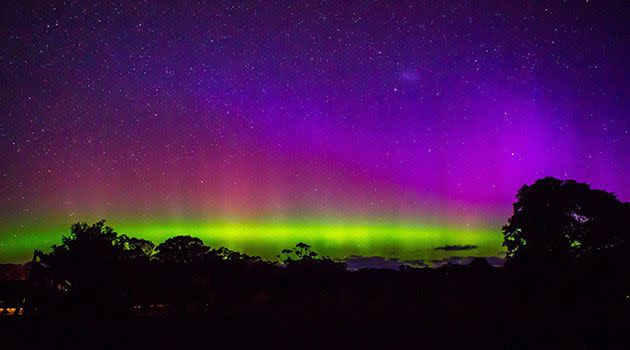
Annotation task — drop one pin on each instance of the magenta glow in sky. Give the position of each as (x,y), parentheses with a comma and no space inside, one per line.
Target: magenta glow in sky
(437,111)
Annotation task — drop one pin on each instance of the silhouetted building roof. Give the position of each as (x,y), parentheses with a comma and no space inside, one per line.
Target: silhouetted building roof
(14,272)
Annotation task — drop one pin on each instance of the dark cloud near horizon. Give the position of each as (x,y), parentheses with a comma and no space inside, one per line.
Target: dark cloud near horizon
(457,247)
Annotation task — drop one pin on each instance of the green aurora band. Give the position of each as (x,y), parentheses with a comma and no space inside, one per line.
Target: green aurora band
(334,238)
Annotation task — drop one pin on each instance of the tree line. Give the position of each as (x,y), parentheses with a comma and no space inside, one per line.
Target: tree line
(553,221)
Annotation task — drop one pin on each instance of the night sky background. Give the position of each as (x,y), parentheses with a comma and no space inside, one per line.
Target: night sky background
(245,122)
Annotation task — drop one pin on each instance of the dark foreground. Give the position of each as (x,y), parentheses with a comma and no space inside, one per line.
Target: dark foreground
(470,307)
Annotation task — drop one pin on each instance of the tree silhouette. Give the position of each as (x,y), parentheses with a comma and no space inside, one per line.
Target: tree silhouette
(564,220)
(86,247)
(303,257)
(226,255)
(92,260)
(135,250)
(302,252)
(181,250)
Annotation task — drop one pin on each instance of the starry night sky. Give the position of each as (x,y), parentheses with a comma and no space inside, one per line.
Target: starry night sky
(152,114)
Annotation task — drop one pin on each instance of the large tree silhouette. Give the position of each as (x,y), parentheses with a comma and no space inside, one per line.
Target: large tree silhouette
(91,246)
(564,220)
(87,247)
(92,260)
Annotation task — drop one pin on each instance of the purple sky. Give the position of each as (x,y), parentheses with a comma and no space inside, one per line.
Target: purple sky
(272,109)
